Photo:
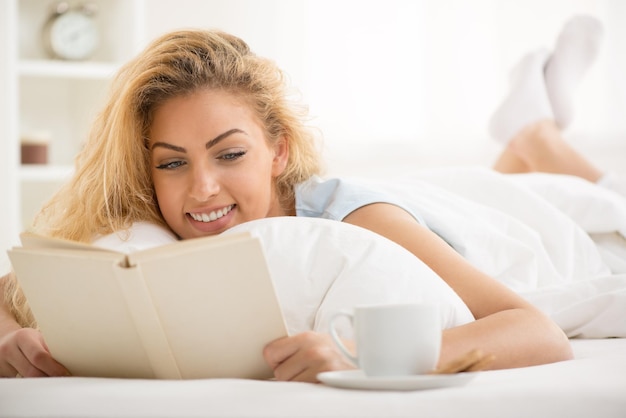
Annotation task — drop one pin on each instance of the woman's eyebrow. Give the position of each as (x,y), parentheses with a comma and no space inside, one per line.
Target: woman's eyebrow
(208,145)
(168,146)
(220,137)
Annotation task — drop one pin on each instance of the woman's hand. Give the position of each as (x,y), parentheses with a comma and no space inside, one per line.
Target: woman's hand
(301,357)
(23,352)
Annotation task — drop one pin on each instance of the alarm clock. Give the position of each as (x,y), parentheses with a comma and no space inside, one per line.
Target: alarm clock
(71,33)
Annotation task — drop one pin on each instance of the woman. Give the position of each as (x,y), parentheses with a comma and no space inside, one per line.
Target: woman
(198,136)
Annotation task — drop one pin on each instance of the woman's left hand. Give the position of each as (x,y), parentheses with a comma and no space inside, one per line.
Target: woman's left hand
(301,357)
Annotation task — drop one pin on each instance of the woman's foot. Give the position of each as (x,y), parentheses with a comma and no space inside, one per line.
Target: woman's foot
(575,51)
(527,101)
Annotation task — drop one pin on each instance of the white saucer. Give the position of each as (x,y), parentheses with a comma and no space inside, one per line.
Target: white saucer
(356,379)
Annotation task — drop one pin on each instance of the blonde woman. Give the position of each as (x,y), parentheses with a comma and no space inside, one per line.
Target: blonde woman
(198,136)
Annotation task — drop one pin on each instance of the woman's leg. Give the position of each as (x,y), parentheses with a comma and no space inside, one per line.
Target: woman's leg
(529,121)
(541,147)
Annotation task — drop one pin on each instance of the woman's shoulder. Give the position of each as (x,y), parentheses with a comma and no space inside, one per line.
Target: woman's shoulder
(336,197)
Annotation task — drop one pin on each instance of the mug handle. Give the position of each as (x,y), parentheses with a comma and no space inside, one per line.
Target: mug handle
(335,336)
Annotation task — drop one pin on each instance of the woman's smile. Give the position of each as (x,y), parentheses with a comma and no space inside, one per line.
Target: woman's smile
(214,221)
(211,216)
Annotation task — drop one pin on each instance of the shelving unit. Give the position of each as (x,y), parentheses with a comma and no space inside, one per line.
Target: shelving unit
(59,99)
(9,191)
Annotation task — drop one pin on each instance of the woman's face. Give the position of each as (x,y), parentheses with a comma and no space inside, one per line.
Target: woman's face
(212,165)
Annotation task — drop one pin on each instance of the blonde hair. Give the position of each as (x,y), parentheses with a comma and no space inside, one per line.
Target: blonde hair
(112,186)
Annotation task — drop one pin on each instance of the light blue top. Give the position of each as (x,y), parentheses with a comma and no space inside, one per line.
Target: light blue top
(336,198)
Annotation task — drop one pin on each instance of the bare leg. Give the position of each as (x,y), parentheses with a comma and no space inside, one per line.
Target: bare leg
(540,147)
(539,105)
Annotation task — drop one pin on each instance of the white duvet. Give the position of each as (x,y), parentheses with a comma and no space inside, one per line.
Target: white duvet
(532,232)
(556,240)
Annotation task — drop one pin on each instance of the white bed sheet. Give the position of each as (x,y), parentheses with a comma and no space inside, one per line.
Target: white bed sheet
(532,233)
(592,385)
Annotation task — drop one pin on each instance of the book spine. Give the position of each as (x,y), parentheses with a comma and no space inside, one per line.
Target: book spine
(147,322)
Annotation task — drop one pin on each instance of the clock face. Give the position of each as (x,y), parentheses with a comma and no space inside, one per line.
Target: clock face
(72,36)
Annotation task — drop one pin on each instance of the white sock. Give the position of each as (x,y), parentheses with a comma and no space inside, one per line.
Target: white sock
(576,49)
(527,101)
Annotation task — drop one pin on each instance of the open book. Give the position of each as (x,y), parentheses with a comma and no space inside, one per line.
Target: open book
(199,308)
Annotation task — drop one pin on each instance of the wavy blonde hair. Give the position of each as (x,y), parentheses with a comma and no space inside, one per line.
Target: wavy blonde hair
(112,187)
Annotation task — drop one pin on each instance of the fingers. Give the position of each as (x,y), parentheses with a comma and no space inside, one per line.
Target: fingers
(22,367)
(461,363)
(12,360)
(474,360)
(23,352)
(7,370)
(279,350)
(36,351)
(481,364)
(279,355)
(303,356)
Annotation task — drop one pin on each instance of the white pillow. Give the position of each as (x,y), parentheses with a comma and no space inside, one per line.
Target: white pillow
(321,266)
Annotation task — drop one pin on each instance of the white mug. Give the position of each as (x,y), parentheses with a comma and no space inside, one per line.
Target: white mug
(392,340)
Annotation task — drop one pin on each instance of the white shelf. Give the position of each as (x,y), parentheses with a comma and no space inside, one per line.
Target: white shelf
(65,69)
(45,173)
(60,98)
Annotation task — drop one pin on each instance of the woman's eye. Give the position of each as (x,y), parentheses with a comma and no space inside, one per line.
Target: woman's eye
(170,165)
(231,156)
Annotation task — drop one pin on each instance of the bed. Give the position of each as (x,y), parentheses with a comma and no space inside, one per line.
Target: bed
(560,243)
(592,385)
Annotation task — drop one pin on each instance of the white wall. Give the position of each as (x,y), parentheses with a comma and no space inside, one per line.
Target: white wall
(391,84)
(417,78)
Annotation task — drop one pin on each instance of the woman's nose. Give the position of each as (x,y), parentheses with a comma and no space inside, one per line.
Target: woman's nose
(204,185)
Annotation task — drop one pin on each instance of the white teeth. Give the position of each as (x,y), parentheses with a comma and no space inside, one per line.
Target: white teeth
(209,217)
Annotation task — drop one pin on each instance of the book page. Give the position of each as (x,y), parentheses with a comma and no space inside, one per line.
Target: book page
(81,311)
(30,240)
(184,246)
(217,306)
(147,323)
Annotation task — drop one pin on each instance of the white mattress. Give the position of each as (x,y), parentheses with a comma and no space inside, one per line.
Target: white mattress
(592,385)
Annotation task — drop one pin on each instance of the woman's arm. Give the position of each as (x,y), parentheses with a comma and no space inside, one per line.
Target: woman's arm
(23,350)
(506,325)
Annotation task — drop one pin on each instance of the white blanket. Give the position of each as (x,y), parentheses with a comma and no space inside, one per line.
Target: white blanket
(532,232)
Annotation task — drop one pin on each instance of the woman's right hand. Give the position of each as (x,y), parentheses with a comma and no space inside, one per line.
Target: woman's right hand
(24,352)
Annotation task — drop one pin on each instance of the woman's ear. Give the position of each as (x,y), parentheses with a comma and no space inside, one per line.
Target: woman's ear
(281,156)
